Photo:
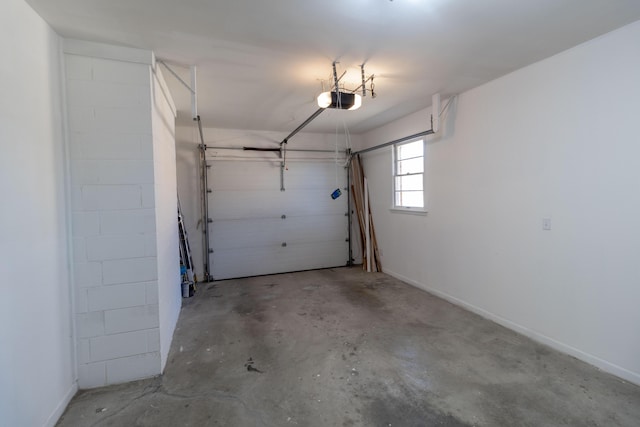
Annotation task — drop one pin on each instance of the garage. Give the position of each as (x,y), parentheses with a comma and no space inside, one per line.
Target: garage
(319,213)
(257,228)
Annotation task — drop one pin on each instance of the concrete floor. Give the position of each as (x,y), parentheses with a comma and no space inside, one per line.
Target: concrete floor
(340,347)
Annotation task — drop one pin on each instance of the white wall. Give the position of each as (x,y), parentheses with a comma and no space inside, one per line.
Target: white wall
(37,376)
(165,191)
(123,203)
(557,139)
(187,140)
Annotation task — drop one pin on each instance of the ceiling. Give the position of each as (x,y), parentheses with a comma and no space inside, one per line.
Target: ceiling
(260,63)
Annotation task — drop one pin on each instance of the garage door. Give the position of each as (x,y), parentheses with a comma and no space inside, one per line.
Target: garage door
(258,229)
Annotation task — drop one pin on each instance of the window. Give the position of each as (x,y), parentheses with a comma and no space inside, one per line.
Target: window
(408,175)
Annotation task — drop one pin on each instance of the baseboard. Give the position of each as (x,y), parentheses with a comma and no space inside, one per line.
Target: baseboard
(604,365)
(57,413)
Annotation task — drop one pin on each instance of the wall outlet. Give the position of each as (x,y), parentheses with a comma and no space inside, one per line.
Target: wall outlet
(546,224)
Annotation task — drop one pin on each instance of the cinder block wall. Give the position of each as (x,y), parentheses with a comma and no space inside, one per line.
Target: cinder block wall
(109,102)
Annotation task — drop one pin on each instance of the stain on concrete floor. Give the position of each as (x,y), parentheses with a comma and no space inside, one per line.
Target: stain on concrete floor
(341,347)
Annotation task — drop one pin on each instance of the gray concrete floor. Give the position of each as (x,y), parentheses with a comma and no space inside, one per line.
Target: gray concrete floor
(340,347)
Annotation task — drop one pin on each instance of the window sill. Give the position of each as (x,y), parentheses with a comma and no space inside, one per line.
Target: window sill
(410,211)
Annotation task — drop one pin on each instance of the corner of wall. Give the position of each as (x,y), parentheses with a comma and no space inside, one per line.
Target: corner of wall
(35,238)
(491,181)
(113,213)
(164,155)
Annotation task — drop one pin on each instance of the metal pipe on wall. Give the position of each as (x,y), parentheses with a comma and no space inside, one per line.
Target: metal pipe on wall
(204,184)
(348,167)
(275,150)
(194,94)
(435,126)
(278,160)
(395,141)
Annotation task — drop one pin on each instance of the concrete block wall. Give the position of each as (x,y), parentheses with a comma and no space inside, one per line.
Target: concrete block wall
(109,106)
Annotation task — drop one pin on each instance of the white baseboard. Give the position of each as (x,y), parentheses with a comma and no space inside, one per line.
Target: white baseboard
(57,413)
(619,371)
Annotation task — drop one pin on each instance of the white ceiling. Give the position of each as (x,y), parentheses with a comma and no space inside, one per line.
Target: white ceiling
(260,62)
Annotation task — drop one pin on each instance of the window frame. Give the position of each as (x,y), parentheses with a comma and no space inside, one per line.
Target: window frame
(394,155)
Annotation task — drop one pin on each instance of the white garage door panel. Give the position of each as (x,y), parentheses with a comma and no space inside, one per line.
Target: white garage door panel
(234,234)
(314,228)
(318,176)
(248,231)
(238,175)
(274,204)
(256,261)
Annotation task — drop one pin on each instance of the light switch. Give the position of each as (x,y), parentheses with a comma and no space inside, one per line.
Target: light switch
(546,223)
